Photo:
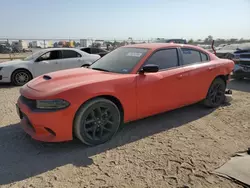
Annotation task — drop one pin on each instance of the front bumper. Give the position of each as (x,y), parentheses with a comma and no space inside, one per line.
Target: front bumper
(4,78)
(53,126)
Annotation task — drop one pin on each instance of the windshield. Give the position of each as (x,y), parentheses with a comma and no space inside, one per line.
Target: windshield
(34,55)
(122,60)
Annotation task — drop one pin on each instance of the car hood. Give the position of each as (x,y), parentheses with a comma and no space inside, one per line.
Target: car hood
(13,62)
(66,79)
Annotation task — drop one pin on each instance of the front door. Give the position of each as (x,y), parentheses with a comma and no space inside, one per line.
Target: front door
(48,62)
(163,90)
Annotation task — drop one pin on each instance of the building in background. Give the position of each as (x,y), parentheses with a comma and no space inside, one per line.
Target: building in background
(85,42)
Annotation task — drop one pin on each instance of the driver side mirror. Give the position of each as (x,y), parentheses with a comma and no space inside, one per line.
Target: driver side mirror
(150,68)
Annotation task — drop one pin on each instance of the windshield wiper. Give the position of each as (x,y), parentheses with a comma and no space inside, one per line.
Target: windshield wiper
(100,69)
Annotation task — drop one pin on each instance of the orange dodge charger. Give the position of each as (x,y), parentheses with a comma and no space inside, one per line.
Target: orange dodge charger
(129,83)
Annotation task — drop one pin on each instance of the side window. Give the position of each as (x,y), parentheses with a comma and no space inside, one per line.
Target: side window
(70,54)
(44,57)
(165,59)
(86,50)
(52,55)
(204,57)
(190,56)
(95,50)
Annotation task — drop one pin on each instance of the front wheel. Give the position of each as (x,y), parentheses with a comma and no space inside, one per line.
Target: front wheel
(20,77)
(216,93)
(97,121)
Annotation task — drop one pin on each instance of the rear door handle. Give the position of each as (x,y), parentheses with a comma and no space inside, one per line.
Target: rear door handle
(181,76)
(211,68)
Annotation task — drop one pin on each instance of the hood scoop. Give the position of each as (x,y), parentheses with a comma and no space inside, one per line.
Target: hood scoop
(46,77)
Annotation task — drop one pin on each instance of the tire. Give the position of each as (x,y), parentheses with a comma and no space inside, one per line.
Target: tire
(216,94)
(89,127)
(20,77)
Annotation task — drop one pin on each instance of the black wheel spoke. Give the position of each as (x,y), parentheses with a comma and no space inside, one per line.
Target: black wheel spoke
(89,121)
(107,129)
(101,132)
(93,115)
(99,111)
(110,122)
(94,133)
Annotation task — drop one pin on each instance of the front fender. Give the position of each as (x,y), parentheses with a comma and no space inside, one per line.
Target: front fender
(126,94)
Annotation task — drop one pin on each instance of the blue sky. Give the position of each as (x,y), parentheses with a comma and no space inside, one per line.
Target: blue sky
(120,19)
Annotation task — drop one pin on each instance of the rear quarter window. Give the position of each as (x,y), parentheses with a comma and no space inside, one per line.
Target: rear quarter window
(191,56)
(70,54)
(204,57)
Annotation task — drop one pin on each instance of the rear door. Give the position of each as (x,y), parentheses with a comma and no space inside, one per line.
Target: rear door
(71,59)
(201,73)
(163,90)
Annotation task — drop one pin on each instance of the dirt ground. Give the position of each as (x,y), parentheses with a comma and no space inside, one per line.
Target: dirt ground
(180,148)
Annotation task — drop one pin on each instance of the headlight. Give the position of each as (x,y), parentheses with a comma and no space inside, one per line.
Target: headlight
(52,104)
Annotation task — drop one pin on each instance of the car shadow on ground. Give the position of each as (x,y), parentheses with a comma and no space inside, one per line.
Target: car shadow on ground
(240,85)
(21,157)
(7,85)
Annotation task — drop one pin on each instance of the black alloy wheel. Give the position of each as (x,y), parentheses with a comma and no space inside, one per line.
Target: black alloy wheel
(216,93)
(97,121)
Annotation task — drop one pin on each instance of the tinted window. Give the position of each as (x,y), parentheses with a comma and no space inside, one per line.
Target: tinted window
(86,50)
(204,57)
(164,59)
(70,54)
(121,60)
(52,55)
(190,56)
(95,50)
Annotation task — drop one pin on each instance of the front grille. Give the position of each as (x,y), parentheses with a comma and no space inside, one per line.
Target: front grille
(246,63)
(245,55)
(29,102)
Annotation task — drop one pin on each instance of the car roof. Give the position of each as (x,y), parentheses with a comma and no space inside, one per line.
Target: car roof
(155,46)
(60,49)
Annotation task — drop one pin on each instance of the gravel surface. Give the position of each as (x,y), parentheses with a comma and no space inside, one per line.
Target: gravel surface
(175,149)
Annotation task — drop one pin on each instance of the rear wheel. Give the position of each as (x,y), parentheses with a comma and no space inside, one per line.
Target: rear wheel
(97,121)
(216,93)
(20,77)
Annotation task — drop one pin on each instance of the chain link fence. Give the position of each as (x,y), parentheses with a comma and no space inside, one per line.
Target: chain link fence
(15,48)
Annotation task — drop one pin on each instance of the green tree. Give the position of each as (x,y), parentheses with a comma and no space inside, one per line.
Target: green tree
(191,41)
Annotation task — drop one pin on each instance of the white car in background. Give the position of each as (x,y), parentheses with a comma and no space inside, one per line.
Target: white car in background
(19,72)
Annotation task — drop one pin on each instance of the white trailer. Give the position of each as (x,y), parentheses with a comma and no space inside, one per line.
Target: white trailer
(85,43)
(40,44)
(20,45)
